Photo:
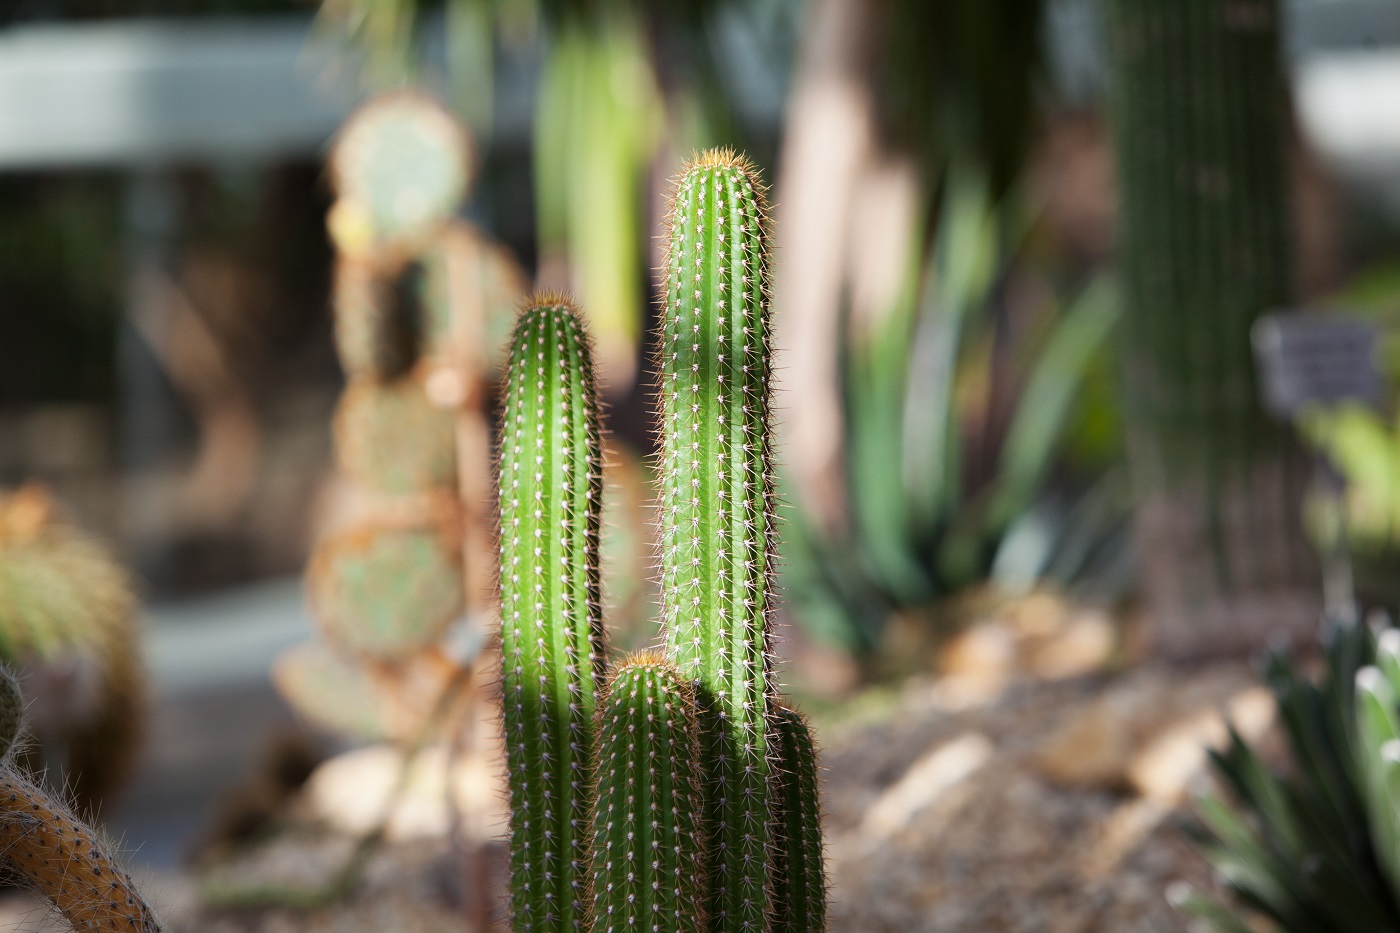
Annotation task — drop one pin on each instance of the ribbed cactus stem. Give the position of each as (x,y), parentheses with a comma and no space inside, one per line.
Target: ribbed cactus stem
(62,858)
(552,648)
(647,832)
(717,512)
(798,868)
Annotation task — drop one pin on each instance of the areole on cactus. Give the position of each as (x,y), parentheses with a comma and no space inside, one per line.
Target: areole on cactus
(675,783)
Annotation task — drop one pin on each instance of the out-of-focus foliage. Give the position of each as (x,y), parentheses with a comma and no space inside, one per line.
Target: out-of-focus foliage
(1318,849)
(959,78)
(617,80)
(964,409)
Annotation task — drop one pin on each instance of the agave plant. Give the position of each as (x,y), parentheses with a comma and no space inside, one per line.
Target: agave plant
(959,422)
(1318,849)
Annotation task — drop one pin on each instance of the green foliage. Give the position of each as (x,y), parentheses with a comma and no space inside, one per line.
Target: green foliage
(686,799)
(646,868)
(952,458)
(552,641)
(1318,848)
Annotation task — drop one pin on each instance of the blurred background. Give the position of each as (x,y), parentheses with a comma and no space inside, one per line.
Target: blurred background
(1018,414)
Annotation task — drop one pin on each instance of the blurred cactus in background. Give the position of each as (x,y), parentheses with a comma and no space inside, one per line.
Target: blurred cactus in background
(68,621)
(678,775)
(1200,120)
(620,83)
(419,294)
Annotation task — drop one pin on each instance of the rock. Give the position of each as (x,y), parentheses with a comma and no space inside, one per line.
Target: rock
(1090,749)
(349,793)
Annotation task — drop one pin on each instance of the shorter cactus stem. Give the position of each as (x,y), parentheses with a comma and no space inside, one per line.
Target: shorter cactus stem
(797,869)
(647,834)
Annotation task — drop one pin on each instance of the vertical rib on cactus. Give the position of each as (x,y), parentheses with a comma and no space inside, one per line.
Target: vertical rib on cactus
(716,516)
(552,648)
(797,871)
(647,832)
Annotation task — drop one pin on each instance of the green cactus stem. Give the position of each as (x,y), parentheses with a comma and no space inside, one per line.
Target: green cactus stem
(797,870)
(552,642)
(647,832)
(717,510)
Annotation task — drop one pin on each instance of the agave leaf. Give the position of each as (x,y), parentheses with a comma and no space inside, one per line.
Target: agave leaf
(1037,427)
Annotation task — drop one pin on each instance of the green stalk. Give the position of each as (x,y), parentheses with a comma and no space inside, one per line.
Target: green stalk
(552,640)
(717,510)
(647,836)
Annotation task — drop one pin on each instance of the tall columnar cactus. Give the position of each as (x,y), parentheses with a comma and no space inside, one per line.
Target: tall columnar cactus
(1198,106)
(646,869)
(552,643)
(717,510)
(47,847)
(686,803)
(797,870)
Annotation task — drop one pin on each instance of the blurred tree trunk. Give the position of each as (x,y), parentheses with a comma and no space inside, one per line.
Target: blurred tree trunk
(1200,115)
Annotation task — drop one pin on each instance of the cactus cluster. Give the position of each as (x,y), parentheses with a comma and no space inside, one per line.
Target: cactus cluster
(672,793)
(418,293)
(48,848)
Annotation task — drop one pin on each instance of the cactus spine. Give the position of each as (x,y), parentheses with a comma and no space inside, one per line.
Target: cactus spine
(552,647)
(797,869)
(717,510)
(647,869)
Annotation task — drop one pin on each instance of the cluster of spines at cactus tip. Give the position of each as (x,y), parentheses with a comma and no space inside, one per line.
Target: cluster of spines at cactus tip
(646,853)
(797,870)
(552,647)
(717,509)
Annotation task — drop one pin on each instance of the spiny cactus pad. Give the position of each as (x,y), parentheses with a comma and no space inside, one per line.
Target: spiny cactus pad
(393,440)
(798,870)
(400,167)
(332,692)
(717,509)
(63,859)
(647,832)
(385,592)
(552,643)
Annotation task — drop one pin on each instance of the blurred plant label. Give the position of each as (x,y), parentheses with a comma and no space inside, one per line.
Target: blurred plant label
(1313,358)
